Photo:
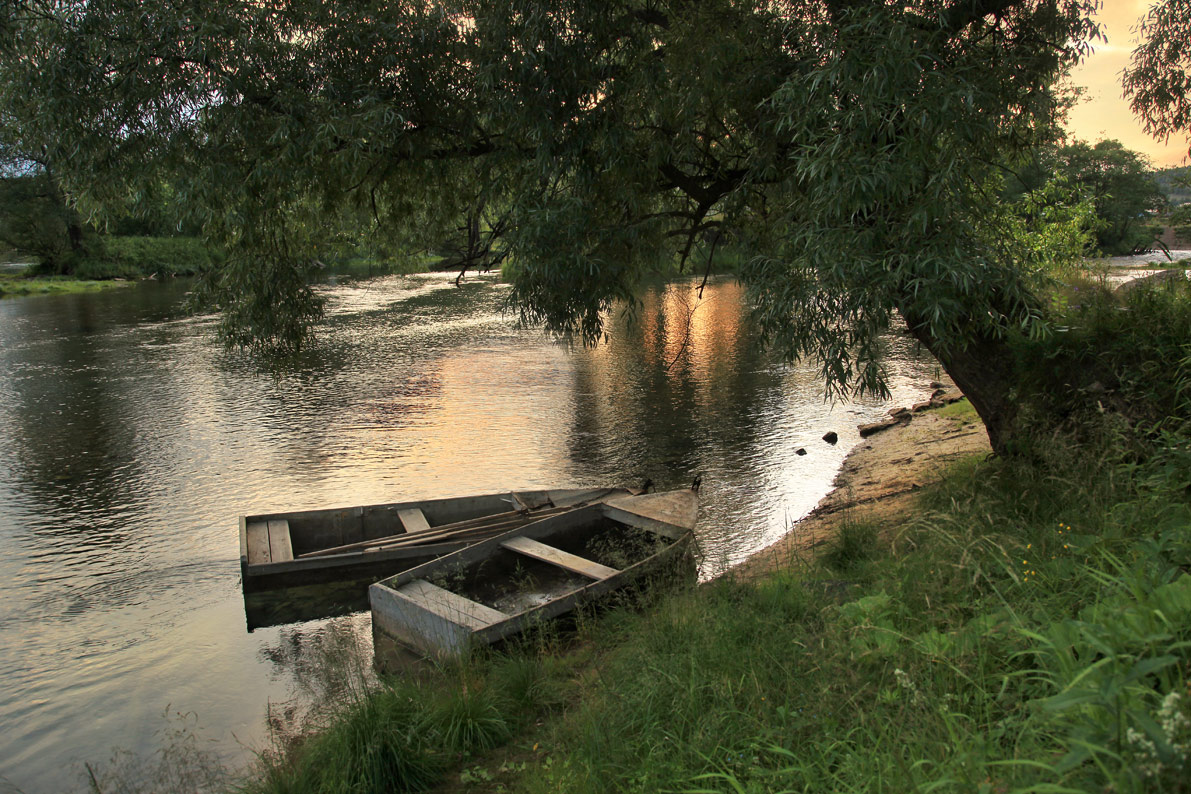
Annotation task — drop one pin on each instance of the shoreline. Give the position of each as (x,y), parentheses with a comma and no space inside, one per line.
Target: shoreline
(878,479)
(880,475)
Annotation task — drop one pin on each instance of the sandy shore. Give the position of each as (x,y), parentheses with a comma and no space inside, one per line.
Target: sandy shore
(879,478)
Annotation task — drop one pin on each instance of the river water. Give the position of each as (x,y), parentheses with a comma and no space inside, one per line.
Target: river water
(132,441)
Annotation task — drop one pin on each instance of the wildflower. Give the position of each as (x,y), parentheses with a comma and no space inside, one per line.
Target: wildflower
(1171,717)
(1149,764)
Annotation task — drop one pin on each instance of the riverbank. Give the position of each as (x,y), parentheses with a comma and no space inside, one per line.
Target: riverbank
(943,620)
(20,284)
(879,480)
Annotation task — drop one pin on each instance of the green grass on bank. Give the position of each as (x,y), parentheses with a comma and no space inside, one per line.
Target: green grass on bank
(1025,632)
(18,284)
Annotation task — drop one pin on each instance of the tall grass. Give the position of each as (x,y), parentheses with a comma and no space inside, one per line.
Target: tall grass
(1024,633)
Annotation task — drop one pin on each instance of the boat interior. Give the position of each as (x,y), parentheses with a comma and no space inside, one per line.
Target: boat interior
(525,573)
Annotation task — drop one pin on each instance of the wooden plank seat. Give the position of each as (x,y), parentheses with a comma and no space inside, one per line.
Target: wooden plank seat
(269,541)
(258,542)
(413,519)
(563,559)
(450,606)
(281,549)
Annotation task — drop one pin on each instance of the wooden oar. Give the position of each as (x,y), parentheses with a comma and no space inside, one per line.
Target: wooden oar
(458,535)
(481,520)
(434,532)
(401,541)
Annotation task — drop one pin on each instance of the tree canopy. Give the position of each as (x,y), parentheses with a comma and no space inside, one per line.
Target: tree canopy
(858,147)
(1119,183)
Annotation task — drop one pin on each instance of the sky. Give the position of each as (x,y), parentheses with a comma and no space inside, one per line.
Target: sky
(1103,112)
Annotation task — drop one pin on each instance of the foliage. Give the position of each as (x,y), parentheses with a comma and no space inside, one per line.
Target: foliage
(1121,186)
(1117,181)
(34,219)
(850,144)
(1175,183)
(1055,224)
(138,257)
(1156,81)
(1180,221)
(1115,359)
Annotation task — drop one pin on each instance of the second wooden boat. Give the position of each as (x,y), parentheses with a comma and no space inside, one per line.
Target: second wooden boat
(502,585)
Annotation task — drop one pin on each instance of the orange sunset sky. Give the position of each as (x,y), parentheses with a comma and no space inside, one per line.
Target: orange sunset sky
(1103,112)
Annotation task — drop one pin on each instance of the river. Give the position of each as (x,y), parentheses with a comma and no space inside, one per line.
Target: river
(132,441)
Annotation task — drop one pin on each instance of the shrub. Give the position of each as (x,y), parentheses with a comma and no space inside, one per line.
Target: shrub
(1112,363)
(140,257)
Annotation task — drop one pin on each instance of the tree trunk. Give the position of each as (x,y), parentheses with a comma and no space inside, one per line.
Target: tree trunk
(74,230)
(70,219)
(984,371)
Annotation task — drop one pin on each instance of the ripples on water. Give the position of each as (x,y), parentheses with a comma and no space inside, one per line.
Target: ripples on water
(132,441)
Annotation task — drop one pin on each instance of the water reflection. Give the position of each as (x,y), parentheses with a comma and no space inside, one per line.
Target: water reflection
(133,441)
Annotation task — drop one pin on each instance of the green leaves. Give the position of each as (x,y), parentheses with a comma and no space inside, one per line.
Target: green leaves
(1156,81)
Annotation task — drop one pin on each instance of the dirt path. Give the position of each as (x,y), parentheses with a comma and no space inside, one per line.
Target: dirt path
(880,478)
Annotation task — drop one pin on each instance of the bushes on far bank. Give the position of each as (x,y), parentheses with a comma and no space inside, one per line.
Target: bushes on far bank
(142,257)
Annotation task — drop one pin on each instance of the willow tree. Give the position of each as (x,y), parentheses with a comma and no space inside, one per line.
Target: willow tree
(854,144)
(1158,79)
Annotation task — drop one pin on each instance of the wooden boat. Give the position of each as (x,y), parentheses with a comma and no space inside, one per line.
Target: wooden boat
(502,585)
(316,546)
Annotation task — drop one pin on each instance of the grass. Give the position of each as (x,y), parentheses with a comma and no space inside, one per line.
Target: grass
(1014,636)
(19,284)
(960,412)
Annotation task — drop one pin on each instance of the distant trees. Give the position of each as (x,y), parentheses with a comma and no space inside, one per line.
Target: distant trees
(1122,188)
(1180,221)
(1118,182)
